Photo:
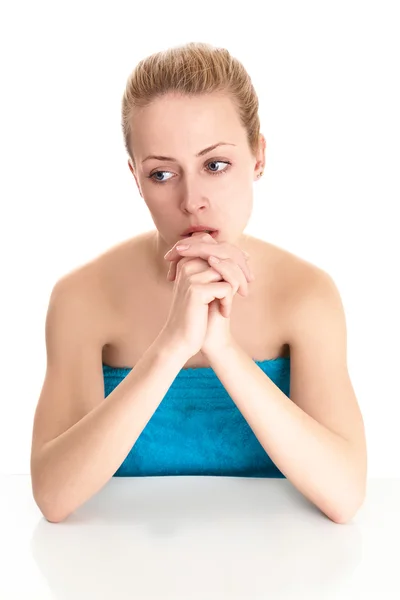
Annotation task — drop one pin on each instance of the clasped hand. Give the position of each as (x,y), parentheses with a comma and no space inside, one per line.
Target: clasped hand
(231,266)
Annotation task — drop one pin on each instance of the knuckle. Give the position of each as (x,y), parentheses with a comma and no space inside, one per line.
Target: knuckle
(184,265)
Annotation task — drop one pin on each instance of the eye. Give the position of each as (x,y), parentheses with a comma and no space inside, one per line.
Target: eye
(213,162)
(221,162)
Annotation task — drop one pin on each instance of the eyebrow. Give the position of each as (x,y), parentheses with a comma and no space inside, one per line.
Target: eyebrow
(201,153)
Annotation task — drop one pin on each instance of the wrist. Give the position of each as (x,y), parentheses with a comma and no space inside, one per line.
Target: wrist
(171,346)
(217,351)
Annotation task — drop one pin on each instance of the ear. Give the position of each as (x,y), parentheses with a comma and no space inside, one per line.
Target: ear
(260,157)
(132,170)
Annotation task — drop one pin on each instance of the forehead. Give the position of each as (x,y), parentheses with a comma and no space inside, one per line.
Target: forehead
(188,120)
(202,103)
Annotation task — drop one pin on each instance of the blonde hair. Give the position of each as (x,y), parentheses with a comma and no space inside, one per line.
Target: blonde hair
(193,68)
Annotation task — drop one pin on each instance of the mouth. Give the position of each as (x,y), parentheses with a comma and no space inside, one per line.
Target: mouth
(213,234)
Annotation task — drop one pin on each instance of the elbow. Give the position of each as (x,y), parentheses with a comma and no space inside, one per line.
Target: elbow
(47,504)
(352,497)
(340,517)
(44,494)
(55,519)
(344,513)
(48,510)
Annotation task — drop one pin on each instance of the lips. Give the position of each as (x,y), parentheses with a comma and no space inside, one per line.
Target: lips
(200,228)
(213,234)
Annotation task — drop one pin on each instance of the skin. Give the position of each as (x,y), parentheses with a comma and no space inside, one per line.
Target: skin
(190,192)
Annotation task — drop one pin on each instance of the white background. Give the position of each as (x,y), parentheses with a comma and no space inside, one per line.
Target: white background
(327,77)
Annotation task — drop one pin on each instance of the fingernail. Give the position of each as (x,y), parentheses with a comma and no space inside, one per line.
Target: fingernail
(182,247)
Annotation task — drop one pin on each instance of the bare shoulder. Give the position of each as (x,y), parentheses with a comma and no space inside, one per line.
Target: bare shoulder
(288,271)
(77,300)
(296,283)
(97,279)
(79,287)
(313,321)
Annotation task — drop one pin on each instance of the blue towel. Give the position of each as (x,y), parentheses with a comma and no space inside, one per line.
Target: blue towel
(197,429)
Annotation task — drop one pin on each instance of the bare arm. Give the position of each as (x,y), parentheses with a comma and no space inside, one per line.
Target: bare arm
(75,465)
(73,456)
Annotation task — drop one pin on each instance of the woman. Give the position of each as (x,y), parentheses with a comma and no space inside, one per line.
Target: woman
(216,346)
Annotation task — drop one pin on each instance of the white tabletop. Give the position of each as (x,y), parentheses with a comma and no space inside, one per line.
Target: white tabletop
(199,537)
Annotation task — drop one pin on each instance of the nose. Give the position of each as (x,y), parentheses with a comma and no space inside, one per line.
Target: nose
(193,201)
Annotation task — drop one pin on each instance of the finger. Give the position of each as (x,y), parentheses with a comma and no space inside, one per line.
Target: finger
(226,305)
(231,273)
(171,272)
(204,250)
(206,238)
(246,270)
(174,254)
(243,288)
(173,267)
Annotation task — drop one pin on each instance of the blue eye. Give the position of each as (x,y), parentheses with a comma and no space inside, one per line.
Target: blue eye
(215,162)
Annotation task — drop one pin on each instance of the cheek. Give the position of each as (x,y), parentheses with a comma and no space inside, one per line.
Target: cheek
(157,203)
